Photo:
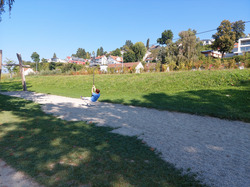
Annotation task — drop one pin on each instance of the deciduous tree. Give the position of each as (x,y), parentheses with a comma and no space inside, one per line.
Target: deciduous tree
(166,37)
(116,52)
(35,57)
(139,50)
(224,37)
(129,56)
(239,28)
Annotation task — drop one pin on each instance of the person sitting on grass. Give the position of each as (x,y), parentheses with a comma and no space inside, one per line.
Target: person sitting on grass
(95,95)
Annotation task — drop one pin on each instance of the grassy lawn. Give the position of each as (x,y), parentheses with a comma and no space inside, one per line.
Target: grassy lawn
(223,94)
(60,153)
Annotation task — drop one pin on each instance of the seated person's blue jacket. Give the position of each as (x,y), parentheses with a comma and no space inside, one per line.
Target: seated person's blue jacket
(94,97)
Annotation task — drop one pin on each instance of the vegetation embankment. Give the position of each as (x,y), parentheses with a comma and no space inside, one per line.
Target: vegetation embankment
(223,94)
(59,153)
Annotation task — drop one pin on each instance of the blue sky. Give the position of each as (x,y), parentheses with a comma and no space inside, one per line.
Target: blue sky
(63,26)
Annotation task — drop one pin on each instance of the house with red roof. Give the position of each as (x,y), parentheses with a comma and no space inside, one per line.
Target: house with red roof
(76,60)
(102,60)
(119,66)
(114,59)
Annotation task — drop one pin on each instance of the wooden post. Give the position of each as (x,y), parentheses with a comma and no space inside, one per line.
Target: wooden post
(0,67)
(21,71)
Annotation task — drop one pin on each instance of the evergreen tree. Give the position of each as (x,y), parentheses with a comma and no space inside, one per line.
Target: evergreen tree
(147,44)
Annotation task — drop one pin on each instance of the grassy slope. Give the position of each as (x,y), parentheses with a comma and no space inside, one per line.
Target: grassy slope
(60,153)
(223,94)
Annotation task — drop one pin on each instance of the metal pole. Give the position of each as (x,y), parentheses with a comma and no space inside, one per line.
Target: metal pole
(94,75)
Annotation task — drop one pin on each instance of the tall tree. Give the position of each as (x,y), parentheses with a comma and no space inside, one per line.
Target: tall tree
(188,45)
(224,37)
(147,44)
(101,51)
(80,53)
(35,58)
(166,37)
(54,55)
(139,50)
(98,52)
(3,3)
(239,28)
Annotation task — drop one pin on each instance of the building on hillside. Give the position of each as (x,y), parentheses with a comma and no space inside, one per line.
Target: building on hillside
(207,41)
(28,71)
(114,59)
(137,65)
(212,53)
(76,60)
(243,46)
(102,60)
(56,60)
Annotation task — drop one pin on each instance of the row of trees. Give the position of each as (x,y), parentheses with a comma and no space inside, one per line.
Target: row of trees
(187,49)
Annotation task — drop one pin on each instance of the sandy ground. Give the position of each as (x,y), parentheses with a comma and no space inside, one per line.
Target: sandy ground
(218,150)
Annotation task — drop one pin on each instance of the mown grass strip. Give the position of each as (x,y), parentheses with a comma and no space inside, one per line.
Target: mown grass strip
(60,153)
(223,94)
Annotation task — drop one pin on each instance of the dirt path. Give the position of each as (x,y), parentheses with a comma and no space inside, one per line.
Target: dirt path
(217,149)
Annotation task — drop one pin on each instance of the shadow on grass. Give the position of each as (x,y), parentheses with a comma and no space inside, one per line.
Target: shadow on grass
(60,153)
(15,85)
(231,104)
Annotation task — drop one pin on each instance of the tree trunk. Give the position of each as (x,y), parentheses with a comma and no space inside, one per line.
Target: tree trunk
(21,71)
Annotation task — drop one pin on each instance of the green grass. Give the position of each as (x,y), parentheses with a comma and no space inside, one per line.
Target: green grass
(59,153)
(223,94)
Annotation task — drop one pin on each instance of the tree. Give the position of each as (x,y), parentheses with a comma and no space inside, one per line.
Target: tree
(147,44)
(139,50)
(98,52)
(35,58)
(9,68)
(239,28)
(166,37)
(188,45)
(54,55)
(128,45)
(129,56)
(52,65)
(3,3)
(80,53)
(101,51)
(162,55)
(116,52)
(224,37)
(44,60)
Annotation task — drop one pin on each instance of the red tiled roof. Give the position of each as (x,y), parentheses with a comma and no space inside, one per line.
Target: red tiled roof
(99,57)
(115,58)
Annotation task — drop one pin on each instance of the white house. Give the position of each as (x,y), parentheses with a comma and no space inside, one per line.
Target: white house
(138,66)
(207,41)
(114,59)
(212,53)
(56,60)
(243,46)
(101,60)
(28,71)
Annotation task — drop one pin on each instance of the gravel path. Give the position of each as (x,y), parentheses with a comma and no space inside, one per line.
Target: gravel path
(219,150)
